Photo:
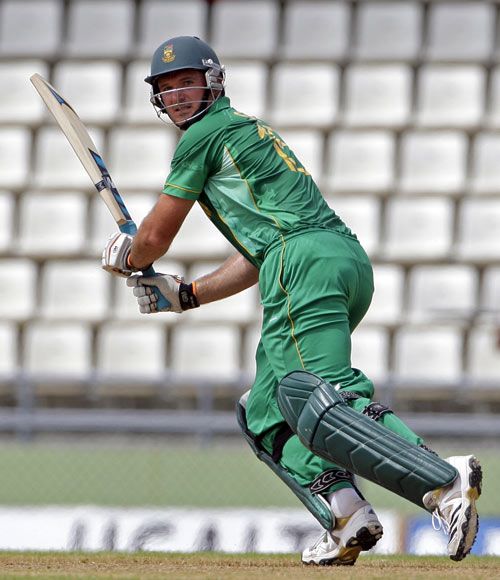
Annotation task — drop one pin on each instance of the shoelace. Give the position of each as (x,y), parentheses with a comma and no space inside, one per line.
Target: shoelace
(439,522)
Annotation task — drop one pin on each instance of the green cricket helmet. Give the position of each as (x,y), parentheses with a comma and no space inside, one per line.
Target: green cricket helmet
(186,52)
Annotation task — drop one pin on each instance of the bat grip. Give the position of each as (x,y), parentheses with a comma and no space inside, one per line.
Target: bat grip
(130,228)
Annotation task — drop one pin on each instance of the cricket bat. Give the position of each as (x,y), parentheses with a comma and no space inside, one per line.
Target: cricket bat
(81,142)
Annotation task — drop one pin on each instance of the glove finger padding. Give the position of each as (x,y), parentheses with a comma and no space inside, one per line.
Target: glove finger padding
(148,290)
(115,255)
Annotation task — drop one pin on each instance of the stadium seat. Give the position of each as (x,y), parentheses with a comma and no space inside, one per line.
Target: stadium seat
(492,116)
(56,165)
(18,101)
(241,308)
(428,356)
(31,27)
(246,86)
(315,89)
(418,228)
(377,96)
(360,161)
(52,223)
(74,290)
(478,229)
(388,30)
(8,347)
(388,302)
(208,353)
(250,341)
(18,289)
(450,96)
(485,169)
(160,20)
(100,29)
(102,224)
(198,238)
(57,349)
(93,88)
(131,351)
(461,31)
(15,144)
(433,162)
(361,213)
(483,357)
(7,208)
(444,293)
(245,30)
(330,22)
(370,353)
(139,158)
(138,108)
(308,148)
(489,299)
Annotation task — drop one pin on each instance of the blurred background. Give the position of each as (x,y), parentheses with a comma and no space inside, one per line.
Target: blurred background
(118,431)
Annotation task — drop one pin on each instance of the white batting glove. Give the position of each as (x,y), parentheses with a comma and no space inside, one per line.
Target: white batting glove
(150,290)
(115,255)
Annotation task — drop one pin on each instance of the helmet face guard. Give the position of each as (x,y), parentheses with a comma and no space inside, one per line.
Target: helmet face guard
(181,53)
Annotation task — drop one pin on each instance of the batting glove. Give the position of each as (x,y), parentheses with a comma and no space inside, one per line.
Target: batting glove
(115,256)
(149,291)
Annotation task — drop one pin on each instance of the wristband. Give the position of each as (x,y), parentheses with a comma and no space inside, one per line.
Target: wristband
(187,296)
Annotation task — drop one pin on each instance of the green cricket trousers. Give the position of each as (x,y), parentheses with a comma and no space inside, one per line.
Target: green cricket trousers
(316,285)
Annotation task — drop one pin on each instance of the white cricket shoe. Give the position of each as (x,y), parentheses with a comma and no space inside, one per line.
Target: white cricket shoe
(351,535)
(454,506)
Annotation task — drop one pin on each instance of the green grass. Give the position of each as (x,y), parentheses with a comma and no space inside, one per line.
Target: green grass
(163,475)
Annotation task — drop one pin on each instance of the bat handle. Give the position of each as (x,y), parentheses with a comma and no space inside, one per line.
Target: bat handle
(130,228)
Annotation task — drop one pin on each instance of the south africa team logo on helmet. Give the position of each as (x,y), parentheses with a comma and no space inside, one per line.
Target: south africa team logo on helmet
(168,53)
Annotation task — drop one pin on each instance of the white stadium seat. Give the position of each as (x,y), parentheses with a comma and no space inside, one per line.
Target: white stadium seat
(493,102)
(15,144)
(19,103)
(370,352)
(360,161)
(361,213)
(92,87)
(489,300)
(433,162)
(245,29)
(208,352)
(307,146)
(7,207)
(131,351)
(330,22)
(58,349)
(389,30)
(160,20)
(479,229)
(418,228)
(461,31)
(428,355)
(485,168)
(138,108)
(315,89)
(377,95)
(100,29)
(52,223)
(31,27)
(140,158)
(450,96)
(246,86)
(442,293)
(18,289)
(388,297)
(250,342)
(74,290)
(8,347)
(483,356)
(56,165)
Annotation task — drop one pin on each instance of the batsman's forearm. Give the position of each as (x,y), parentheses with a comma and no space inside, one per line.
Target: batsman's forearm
(234,275)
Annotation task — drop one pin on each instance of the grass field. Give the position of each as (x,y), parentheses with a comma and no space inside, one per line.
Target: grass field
(124,475)
(235,567)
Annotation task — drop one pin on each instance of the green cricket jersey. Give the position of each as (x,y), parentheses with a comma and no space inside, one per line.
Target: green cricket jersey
(247,180)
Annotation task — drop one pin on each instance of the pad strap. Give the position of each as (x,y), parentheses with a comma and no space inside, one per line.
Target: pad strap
(329,477)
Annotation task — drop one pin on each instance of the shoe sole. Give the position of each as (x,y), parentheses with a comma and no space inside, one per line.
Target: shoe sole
(365,538)
(470,526)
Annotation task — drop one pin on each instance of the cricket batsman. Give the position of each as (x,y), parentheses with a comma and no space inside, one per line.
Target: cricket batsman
(309,415)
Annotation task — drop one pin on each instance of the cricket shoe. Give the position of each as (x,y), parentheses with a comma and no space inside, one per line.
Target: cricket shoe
(454,506)
(350,536)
